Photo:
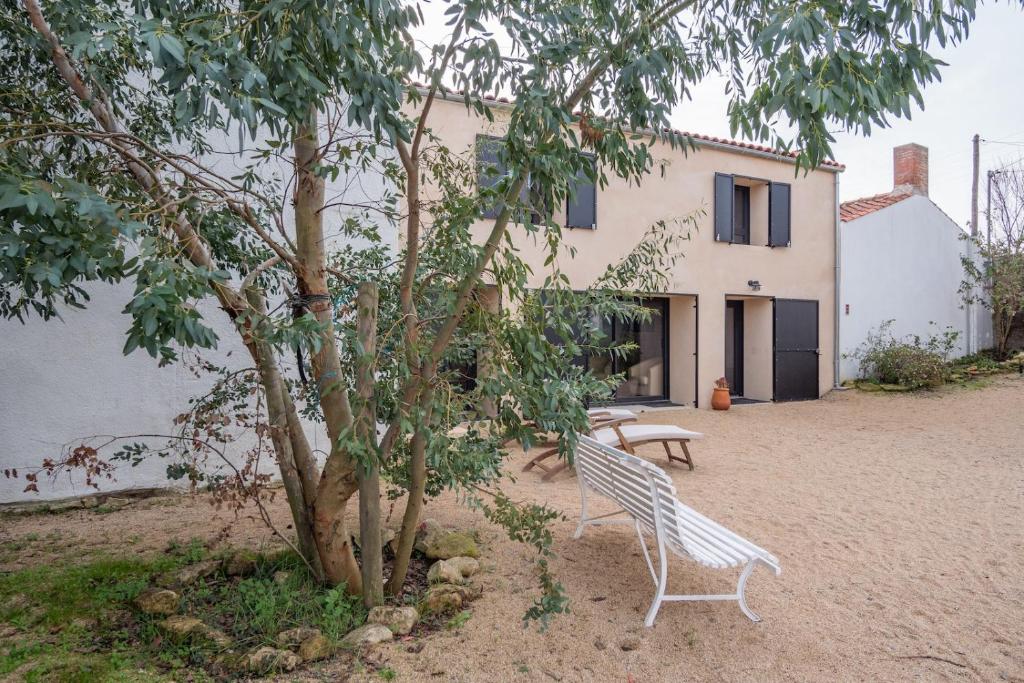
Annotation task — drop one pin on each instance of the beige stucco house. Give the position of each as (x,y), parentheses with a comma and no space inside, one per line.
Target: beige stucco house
(763,316)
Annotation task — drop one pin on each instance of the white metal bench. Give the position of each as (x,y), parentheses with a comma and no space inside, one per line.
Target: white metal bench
(648,496)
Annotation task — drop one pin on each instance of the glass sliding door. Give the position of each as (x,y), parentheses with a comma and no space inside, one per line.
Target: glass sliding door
(645,366)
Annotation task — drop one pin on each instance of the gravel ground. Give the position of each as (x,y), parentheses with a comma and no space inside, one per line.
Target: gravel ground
(898,520)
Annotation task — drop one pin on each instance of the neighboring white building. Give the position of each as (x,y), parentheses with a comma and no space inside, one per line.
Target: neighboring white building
(901,261)
(66,380)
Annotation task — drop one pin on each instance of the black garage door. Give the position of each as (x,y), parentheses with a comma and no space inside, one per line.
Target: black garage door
(796,349)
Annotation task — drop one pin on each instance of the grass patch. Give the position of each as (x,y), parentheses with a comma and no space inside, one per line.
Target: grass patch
(75,622)
(255,609)
(459,620)
(72,621)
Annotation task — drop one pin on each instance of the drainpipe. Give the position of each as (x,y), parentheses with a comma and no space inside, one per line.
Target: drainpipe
(838,299)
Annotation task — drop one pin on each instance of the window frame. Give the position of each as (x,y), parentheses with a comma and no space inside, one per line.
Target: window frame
(593,208)
(744,219)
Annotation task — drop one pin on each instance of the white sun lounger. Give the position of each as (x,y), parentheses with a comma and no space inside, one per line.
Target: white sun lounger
(629,436)
(645,493)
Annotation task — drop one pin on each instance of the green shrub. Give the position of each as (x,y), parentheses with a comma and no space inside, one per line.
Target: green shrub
(983,360)
(909,362)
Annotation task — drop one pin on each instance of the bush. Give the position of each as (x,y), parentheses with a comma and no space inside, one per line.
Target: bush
(983,361)
(908,362)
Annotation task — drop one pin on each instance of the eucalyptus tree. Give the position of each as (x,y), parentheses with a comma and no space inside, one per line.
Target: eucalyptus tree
(105,176)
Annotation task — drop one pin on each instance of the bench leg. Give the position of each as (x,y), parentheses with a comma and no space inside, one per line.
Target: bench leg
(660,582)
(660,577)
(741,587)
(583,509)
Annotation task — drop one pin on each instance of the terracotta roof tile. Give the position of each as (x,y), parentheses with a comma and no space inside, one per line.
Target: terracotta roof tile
(856,208)
(829,163)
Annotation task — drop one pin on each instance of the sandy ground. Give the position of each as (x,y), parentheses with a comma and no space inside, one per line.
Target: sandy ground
(898,520)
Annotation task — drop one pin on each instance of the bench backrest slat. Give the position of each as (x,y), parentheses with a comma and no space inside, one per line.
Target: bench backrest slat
(628,480)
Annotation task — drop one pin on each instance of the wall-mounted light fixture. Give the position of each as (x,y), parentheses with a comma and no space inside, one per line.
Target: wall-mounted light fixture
(754,285)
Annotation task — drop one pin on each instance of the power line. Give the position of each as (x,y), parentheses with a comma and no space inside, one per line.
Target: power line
(1010,165)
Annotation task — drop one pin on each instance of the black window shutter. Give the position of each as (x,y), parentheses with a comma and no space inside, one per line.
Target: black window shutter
(490,170)
(779,234)
(582,205)
(724,206)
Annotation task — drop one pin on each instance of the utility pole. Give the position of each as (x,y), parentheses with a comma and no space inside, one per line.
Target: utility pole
(974,187)
(976,140)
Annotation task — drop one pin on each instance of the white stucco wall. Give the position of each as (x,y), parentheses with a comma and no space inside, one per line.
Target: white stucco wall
(903,263)
(65,380)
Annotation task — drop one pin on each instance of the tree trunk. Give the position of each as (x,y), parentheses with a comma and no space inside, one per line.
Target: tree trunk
(337,482)
(368,472)
(273,389)
(417,488)
(305,461)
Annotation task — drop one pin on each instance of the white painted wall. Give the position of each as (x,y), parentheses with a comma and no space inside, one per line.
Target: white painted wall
(65,380)
(903,263)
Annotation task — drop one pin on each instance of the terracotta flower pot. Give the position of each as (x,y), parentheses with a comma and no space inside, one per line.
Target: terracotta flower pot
(720,399)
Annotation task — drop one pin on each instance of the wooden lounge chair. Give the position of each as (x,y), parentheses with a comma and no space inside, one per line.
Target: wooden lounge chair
(604,416)
(599,417)
(628,437)
(645,493)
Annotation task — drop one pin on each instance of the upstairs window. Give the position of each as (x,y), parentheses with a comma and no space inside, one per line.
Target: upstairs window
(751,211)
(491,171)
(581,205)
(581,209)
(741,214)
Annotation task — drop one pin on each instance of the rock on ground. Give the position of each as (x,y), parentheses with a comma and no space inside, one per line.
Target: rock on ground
(387,536)
(438,543)
(293,637)
(215,636)
(268,659)
(315,647)
(158,601)
(370,634)
(443,572)
(186,576)
(467,566)
(444,598)
(240,563)
(180,627)
(399,620)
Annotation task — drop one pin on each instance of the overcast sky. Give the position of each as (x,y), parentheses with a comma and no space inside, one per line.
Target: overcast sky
(982,91)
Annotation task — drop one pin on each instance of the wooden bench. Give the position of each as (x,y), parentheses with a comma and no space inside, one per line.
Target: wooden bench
(645,493)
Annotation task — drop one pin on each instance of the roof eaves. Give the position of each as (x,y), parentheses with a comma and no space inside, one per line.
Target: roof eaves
(863,206)
(724,144)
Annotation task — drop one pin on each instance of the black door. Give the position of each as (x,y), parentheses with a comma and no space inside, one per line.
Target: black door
(734,346)
(796,349)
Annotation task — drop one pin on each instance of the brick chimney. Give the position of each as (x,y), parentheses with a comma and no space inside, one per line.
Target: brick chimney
(910,169)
